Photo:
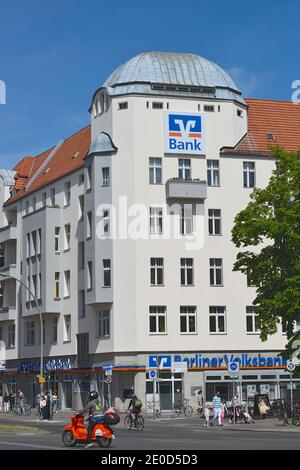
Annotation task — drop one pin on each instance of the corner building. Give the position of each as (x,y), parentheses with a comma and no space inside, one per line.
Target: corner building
(171,137)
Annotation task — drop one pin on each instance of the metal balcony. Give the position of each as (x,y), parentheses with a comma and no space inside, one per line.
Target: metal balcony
(9,232)
(186,189)
(8,313)
(8,271)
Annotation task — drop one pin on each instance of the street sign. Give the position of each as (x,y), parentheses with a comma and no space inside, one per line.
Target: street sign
(179,367)
(290,366)
(107,379)
(152,374)
(107,369)
(42,380)
(2,365)
(233,367)
(291,386)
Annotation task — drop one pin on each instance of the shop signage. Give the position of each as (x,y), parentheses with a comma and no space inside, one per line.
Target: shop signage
(51,365)
(218,360)
(291,386)
(251,390)
(264,389)
(184,133)
(152,399)
(179,367)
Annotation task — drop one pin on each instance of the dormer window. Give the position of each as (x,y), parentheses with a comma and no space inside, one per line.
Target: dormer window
(270,136)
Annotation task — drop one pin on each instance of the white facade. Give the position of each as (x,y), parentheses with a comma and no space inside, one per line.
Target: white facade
(122,334)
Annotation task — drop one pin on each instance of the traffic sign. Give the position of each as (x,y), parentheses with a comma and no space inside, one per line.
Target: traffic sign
(291,386)
(107,379)
(290,366)
(233,367)
(152,374)
(107,369)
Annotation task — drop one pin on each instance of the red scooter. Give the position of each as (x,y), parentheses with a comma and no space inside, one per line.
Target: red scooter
(102,434)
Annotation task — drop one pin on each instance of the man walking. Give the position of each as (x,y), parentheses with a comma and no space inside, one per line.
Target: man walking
(217,407)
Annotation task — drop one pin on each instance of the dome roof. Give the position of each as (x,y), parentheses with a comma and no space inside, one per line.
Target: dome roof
(185,73)
(102,144)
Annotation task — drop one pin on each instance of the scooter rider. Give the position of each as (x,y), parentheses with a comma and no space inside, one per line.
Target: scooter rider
(93,408)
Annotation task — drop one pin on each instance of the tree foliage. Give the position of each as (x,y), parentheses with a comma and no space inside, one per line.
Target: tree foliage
(268,230)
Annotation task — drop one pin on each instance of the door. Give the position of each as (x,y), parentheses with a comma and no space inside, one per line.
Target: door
(165,391)
(68,394)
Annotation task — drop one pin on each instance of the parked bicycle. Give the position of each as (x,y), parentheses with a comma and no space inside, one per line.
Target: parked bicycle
(133,420)
(24,409)
(287,415)
(183,407)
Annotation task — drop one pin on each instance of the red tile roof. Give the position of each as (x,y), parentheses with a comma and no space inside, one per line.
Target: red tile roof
(278,118)
(68,158)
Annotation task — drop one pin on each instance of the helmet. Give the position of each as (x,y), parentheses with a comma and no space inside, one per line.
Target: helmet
(93,395)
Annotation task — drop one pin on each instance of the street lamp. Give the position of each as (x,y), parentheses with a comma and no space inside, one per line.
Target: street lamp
(41,321)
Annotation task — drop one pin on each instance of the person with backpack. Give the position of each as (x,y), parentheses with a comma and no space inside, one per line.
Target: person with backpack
(135,405)
(95,412)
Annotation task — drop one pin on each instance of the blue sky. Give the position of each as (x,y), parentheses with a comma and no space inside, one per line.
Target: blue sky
(55,54)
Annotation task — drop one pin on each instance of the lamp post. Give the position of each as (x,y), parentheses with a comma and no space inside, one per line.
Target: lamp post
(41,322)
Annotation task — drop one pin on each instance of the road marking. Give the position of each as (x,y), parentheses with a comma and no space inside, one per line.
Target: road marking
(20,444)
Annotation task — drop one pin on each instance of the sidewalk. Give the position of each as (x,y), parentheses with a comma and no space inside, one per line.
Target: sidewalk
(263,425)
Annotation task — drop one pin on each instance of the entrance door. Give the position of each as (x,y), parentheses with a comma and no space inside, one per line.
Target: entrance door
(165,390)
(68,394)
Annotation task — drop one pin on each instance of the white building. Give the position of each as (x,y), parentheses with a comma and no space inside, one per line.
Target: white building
(171,137)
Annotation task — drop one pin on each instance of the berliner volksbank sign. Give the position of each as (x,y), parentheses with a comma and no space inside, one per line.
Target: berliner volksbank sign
(184,133)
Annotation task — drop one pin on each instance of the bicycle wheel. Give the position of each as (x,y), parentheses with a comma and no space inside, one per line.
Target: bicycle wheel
(139,423)
(296,420)
(28,410)
(177,410)
(128,422)
(188,411)
(286,418)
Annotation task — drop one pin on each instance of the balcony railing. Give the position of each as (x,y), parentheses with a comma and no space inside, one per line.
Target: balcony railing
(9,232)
(186,189)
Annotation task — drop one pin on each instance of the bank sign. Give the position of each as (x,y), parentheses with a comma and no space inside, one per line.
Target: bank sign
(201,361)
(184,133)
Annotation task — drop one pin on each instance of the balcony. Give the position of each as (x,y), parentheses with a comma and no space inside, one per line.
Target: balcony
(8,313)
(8,271)
(186,189)
(9,232)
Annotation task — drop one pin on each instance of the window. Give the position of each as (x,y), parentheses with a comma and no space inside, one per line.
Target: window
(213,173)
(67,283)
(107,273)
(34,285)
(57,285)
(89,178)
(28,295)
(187,319)
(89,275)
(106,176)
(67,328)
(239,112)
(81,303)
(11,336)
(103,324)
(184,169)
(217,322)
(155,171)
(1,294)
(156,220)
(249,174)
(56,239)
(216,277)
(123,105)
(27,207)
(209,108)
(252,321)
(186,220)
(106,222)
(157,105)
(89,225)
(30,333)
(187,271)
(157,320)
(2,252)
(67,237)
(81,256)
(33,243)
(39,242)
(157,271)
(81,206)
(54,330)
(81,178)
(214,221)
(39,296)
(34,204)
(83,346)
(52,197)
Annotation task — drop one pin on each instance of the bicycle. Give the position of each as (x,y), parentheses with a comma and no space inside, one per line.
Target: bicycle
(288,416)
(25,409)
(132,419)
(183,406)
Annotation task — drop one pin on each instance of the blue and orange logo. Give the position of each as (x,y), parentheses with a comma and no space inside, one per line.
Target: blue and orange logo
(184,133)
(185,126)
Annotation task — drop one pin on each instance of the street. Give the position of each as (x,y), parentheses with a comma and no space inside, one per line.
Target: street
(165,434)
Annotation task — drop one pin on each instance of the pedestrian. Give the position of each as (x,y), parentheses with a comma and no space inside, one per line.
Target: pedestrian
(38,399)
(199,401)
(6,403)
(206,413)
(235,404)
(223,411)
(217,408)
(54,402)
(48,406)
(12,400)
(22,401)
(43,404)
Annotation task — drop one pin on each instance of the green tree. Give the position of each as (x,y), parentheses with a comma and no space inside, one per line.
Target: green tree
(269,231)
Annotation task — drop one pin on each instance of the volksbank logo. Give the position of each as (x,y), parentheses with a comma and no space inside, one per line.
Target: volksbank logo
(184,133)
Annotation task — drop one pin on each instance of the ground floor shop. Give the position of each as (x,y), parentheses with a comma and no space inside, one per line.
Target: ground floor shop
(117,377)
